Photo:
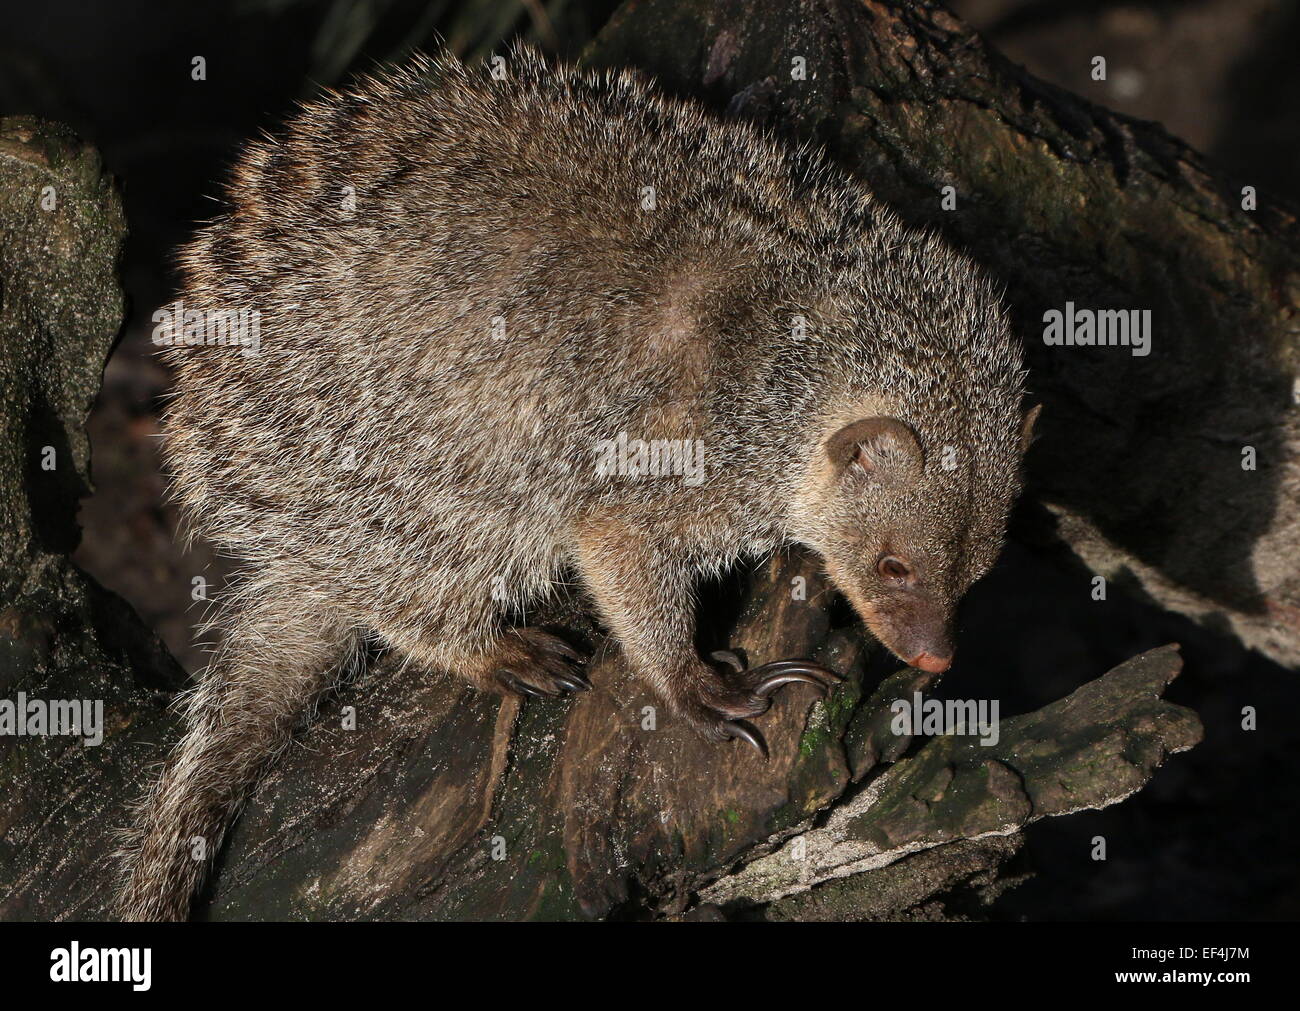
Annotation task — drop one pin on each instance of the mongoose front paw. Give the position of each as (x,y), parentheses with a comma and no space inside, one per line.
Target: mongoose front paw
(528,661)
(717,703)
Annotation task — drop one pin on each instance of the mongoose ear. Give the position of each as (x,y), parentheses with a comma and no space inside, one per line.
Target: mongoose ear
(1027,428)
(876,445)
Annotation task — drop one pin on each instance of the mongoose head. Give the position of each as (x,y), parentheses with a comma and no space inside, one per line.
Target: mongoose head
(906,523)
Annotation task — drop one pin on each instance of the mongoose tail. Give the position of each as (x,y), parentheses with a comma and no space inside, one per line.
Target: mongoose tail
(277,658)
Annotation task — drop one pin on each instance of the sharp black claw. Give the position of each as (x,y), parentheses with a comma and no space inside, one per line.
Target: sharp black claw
(824,675)
(729,658)
(522,687)
(565,650)
(736,729)
(572,683)
(769,685)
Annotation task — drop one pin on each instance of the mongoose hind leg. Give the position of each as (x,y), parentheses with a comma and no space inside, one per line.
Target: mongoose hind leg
(645,589)
(467,641)
(529,661)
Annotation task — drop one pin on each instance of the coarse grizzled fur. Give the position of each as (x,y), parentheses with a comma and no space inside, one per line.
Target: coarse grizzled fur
(469,290)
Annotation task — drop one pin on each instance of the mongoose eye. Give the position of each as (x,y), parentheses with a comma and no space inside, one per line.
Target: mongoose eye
(893,568)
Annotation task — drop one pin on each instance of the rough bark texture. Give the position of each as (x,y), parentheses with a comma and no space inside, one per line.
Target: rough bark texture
(1139,457)
(591,815)
(412,798)
(61,636)
(1092,749)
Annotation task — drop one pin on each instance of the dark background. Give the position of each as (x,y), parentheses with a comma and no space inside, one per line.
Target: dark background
(1212,837)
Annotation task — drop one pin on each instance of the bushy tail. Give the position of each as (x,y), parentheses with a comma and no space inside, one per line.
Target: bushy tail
(276,659)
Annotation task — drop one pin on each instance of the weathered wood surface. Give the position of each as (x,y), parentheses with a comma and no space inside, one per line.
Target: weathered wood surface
(1092,749)
(61,636)
(592,815)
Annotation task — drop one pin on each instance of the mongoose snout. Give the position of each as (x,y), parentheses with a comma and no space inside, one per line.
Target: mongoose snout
(516,322)
(888,516)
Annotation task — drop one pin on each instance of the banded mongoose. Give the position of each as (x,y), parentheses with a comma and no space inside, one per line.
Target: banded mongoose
(469,289)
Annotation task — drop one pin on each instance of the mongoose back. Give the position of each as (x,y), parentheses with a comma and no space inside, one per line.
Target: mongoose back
(510,327)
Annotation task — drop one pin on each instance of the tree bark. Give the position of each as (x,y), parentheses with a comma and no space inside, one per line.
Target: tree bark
(62,637)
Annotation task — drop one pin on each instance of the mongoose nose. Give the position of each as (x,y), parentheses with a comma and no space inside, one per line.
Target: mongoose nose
(930,662)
